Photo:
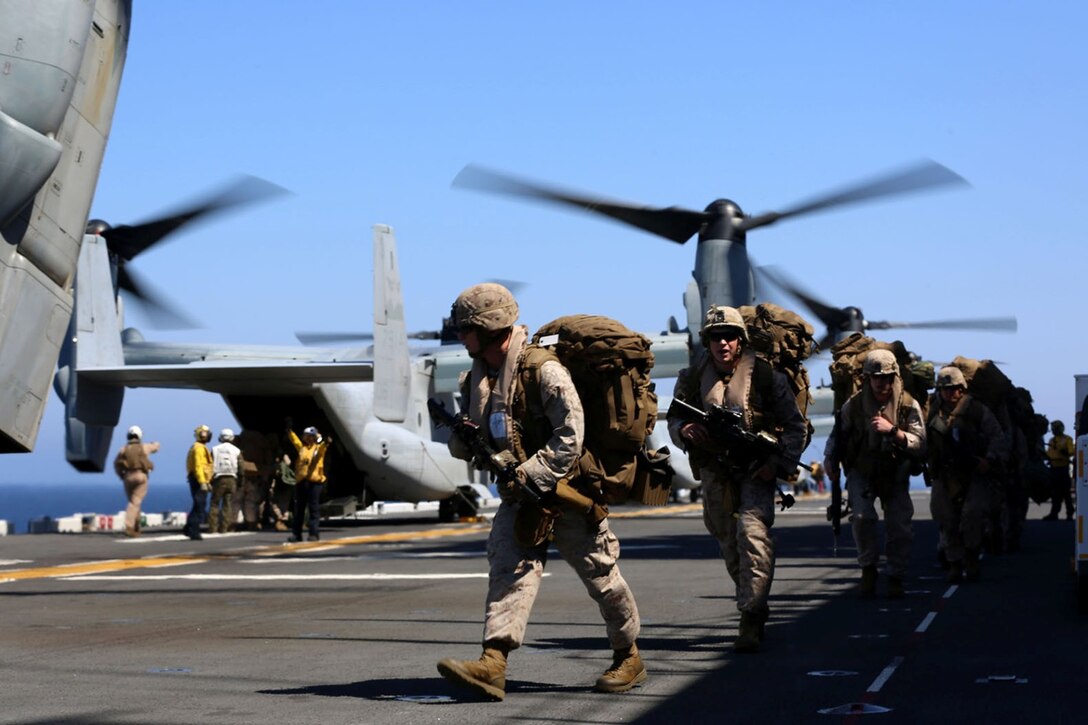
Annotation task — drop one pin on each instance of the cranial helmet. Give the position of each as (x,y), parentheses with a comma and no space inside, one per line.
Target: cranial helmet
(880,362)
(720,317)
(489,306)
(311,431)
(226,435)
(1058,427)
(950,376)
(202,430)
(135,432)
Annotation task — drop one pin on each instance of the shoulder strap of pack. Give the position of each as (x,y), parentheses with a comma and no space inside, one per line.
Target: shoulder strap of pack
(906,404)
(763,379)
(692,377)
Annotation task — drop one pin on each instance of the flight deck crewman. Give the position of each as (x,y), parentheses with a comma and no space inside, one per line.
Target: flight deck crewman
(309,480)
(1060,450)
(227,467)
(880,436)
(738,492)
(529,408)
(132,465)
(198,472)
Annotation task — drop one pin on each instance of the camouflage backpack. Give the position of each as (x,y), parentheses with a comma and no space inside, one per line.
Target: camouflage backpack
(988,384)
(785,340)
(610,366)
(848,358)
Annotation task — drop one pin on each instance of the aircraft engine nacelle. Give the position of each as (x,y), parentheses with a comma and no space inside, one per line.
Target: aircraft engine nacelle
(29,159)
(41,57)
(87,444)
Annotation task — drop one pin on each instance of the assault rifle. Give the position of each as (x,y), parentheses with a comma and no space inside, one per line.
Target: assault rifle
(727,426)
(835,510)
(504,466)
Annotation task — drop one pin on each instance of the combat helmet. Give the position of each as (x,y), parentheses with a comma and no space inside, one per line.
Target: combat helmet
(880,362)
(720,317)
(488,306)
(950,376)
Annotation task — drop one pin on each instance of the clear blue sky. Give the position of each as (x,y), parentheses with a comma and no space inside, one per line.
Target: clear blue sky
(366,111)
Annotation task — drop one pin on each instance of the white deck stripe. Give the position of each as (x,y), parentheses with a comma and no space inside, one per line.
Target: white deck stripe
(926,622)
(951,590)
(883,677)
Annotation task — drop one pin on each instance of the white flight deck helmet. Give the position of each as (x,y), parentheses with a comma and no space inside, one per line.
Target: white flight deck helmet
(135,433)
(226,435)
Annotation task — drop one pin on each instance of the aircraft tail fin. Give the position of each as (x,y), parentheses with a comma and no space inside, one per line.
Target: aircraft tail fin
(391,358)
(91,409)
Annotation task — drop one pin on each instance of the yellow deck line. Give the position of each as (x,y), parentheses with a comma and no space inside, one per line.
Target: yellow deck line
(95,567)
(98,567)
(682,508)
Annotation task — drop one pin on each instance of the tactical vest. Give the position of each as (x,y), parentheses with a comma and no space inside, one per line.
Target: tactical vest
(954,443)
(134,458)
(762,391)
(881,466)
(224,460)
(532,429)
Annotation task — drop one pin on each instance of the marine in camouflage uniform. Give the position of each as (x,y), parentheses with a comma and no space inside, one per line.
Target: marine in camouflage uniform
(879,438)
(738,492)
(545,437)
(966,447)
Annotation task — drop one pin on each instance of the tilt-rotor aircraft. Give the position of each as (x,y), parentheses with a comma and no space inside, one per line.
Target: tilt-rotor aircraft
(723,273)
(62,277)
(60,71)
(372,399)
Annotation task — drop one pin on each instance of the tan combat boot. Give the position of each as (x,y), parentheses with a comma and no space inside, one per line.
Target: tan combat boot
(626,671)
(955,572)
(487,675)
(868,581)
(971,568)
(748,638)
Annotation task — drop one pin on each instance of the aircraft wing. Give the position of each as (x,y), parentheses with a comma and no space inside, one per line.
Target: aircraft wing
(234,377)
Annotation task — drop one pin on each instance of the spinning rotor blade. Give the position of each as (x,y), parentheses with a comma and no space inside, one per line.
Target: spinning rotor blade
(326,338)
(672,223)
(839,320)
(925,175)
(127,241)
(833,318)
(162,314)
(993,324)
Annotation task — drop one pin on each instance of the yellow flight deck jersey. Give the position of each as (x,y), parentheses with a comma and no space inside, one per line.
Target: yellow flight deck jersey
(311,460)
(1060,450)
(199,463)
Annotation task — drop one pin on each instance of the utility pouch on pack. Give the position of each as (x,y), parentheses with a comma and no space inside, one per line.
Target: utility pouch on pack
(653,477)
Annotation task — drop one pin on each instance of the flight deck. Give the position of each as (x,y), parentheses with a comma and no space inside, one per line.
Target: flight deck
(244,628)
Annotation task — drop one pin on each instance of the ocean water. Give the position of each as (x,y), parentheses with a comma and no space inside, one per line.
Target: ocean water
(21,502)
